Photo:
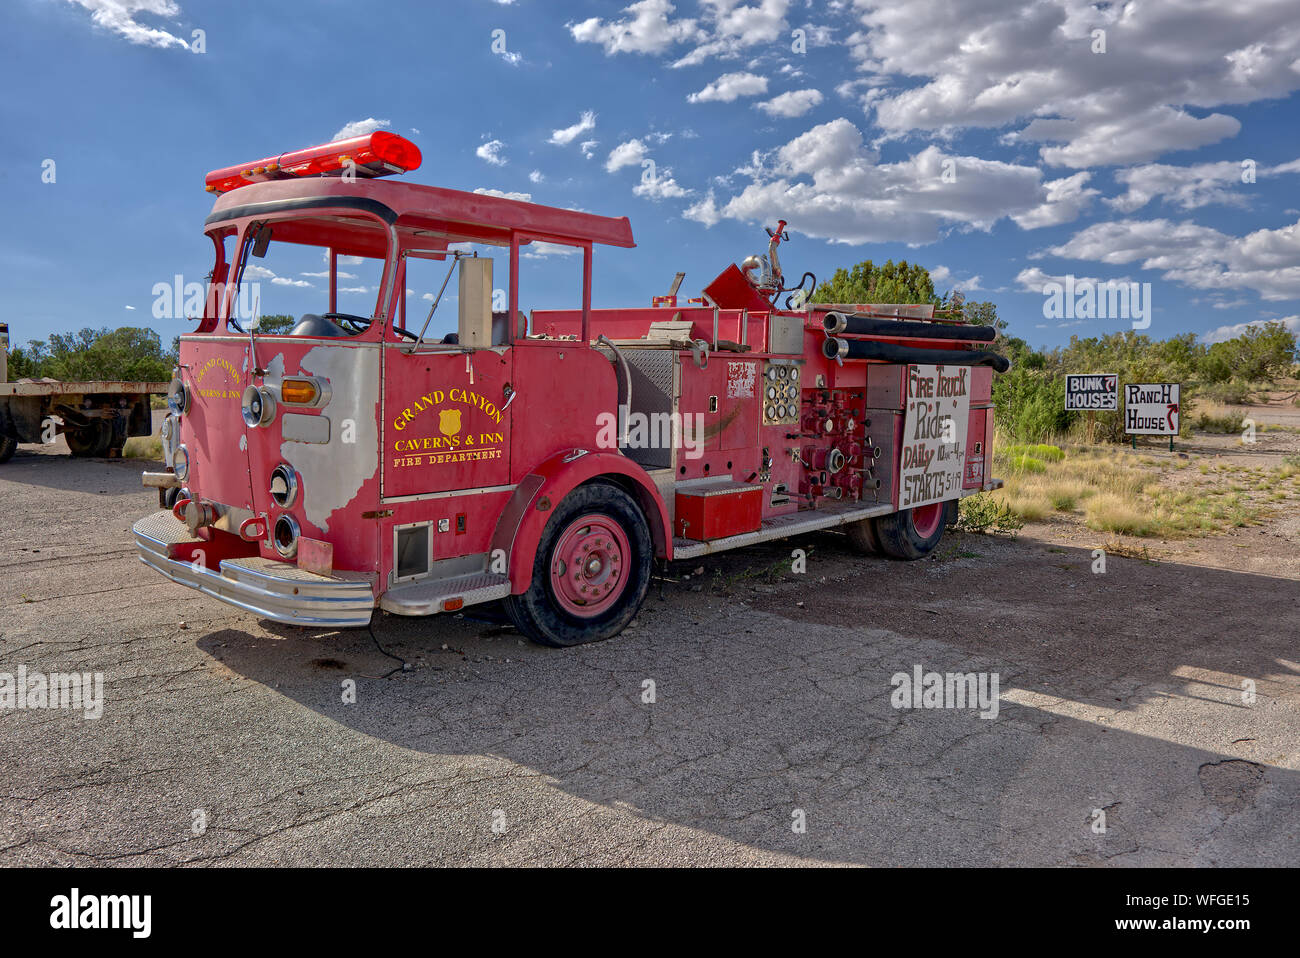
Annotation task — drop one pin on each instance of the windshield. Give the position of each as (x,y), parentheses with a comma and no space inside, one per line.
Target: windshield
(287,284)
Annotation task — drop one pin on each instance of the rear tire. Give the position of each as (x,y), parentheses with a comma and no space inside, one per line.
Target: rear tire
(863,538)
(92,440)
(912,533)
(591,572)
(8,446)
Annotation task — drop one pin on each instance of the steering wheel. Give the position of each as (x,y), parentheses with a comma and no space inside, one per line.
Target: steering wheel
(359,324)
(352,323)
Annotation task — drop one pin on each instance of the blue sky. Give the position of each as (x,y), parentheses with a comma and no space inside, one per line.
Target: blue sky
(990,140)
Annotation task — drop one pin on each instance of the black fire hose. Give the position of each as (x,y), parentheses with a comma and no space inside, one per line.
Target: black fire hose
(859,325)
(835,348)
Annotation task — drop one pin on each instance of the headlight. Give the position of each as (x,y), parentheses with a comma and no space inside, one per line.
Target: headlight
(178,397)
(258,406)
(285,536)
(284,485)
(181,462)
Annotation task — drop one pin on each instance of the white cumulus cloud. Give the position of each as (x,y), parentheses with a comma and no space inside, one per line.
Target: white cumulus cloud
(1036,68)
(828,184)
(505,195)
(491,152)
(359,128)
(1200,257)
(648,28)
(1224,333)
(794,103)
(729,87)
(119,16)
(565,136)
(629,153)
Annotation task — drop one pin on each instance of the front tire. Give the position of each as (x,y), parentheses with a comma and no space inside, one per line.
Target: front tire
(8,446)
(912,533)
(591,572)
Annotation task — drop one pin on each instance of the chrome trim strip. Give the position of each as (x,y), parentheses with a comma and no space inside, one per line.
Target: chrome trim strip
(450,494)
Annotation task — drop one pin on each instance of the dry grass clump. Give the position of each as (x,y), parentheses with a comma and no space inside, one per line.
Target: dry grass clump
(1110,491)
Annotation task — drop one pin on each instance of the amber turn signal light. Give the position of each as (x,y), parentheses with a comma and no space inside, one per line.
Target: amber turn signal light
(299,392)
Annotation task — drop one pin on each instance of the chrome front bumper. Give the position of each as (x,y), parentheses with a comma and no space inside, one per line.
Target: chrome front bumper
(279,591)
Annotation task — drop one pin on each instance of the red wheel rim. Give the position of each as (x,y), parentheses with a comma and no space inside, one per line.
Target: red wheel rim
(926,519)
(588,565)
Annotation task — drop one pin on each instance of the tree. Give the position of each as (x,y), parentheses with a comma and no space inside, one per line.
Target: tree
(900,282)
(1261,353)
(127,353)
(277,324)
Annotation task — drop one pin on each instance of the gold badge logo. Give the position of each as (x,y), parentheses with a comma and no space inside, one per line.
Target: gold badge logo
(449,421)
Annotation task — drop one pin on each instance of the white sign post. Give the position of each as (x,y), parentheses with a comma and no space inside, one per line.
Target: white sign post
(1092,391)
(1089,392)
(934,434)
(1152,409)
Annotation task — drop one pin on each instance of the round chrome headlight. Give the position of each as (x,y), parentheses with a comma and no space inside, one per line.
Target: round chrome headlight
(284,485)
(258,406)
(181,462)
(178,397)
(285,536)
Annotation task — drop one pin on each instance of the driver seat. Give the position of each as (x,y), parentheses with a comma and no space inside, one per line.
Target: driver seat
(318,326)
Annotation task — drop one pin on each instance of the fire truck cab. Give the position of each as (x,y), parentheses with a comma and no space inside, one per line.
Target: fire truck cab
(544,460)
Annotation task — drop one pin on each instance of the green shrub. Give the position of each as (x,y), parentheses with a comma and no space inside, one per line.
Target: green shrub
(1222,424)
(982,513)
(1231,393)
(1030,405)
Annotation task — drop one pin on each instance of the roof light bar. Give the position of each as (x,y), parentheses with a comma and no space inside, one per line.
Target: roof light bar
(375,154)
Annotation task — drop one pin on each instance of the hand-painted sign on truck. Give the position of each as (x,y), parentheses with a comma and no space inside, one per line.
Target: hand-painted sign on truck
(1151,409)
(934,434)
(1092,391)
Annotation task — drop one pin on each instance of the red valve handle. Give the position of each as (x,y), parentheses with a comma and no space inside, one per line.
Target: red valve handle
(180,507)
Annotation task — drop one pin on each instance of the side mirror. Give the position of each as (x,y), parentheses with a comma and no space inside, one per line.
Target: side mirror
(261,241)
(475,322)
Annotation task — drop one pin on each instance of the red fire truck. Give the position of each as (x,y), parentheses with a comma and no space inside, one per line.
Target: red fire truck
(545,460)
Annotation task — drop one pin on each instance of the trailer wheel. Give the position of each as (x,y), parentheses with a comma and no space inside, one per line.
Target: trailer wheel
(92,440)
(912,533)
(591,572)
(8,446)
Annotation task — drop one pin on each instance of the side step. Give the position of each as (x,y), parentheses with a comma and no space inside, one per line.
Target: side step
(429,596)
(824,517)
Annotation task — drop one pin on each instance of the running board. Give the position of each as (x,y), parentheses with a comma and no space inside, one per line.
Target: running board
(824,517)
(427,597)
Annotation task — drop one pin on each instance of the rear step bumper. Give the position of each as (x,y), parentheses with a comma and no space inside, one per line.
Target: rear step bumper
(278,591)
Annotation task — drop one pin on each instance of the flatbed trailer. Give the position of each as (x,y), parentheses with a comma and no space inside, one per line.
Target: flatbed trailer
(95,418)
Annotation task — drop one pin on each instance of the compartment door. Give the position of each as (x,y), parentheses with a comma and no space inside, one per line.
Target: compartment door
(445,422)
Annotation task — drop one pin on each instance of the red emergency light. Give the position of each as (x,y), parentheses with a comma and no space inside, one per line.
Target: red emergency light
(375,154)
